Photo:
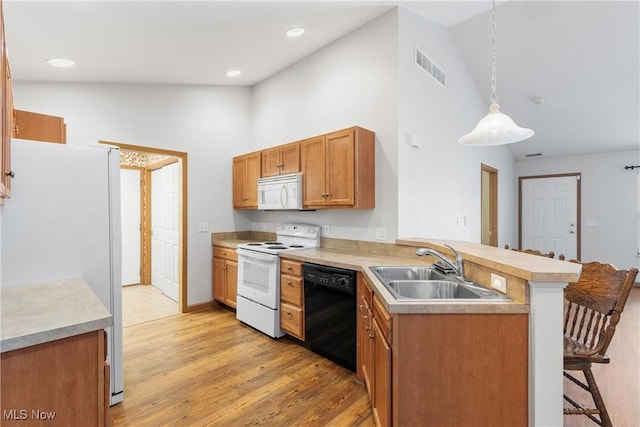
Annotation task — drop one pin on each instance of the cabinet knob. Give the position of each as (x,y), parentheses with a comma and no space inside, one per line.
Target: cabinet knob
(11,174)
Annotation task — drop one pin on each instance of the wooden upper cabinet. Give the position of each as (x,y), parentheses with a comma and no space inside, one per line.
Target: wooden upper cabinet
(339,169)
(246,171)
(281,160)
(313,171)
(39,127)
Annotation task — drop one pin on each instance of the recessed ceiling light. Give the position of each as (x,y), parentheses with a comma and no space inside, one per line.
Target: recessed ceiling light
(60,62)
(294,32)
(233,73)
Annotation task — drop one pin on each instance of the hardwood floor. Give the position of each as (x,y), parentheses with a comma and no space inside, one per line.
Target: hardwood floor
(205,368)
(619,380)
(143,303)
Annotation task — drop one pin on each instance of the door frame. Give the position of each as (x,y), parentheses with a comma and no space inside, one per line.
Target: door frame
(578,177)
(493,202)
(182,234)
(142,184)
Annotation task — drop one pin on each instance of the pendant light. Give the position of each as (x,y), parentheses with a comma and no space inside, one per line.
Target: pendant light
(495,128)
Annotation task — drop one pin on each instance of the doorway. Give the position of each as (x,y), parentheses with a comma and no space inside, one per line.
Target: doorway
(549,214)
(489,205)
(166,172)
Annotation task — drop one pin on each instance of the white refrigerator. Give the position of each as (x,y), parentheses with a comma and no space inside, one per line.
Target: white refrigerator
(63,221)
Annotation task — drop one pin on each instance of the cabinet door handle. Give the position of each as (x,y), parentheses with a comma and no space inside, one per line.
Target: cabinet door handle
(361,308)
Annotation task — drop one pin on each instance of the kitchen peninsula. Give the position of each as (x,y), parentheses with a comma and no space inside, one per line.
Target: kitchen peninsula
(53,355)
(534,283)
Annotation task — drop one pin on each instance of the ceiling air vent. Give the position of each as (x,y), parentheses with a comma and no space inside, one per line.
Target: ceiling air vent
(427,65)
(533,155)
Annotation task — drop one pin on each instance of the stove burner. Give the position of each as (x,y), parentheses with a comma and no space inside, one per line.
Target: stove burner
(296,246)
(272,243)
(276,247)
(254,244)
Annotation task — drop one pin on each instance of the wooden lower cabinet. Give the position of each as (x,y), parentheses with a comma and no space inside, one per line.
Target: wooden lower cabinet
(59,383)
(374,358)
(291,298)
(442,369)
(225,275)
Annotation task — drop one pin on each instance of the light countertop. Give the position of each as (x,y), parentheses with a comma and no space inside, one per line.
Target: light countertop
(362,262)
(42,312)
(529,267)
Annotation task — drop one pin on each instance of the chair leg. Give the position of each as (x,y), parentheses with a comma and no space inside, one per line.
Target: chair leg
(597,397)
(592,388)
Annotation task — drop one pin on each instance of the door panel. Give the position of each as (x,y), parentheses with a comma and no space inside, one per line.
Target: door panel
(165,211)
(130,207)
(549,215)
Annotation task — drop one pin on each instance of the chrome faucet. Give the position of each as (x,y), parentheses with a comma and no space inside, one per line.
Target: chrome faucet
(458,267)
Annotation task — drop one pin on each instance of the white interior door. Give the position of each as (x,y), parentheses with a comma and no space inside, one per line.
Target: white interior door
(130,213)
(550,215)
(165,220)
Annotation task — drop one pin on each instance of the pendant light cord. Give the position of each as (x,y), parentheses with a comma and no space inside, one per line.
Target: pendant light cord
(494,42)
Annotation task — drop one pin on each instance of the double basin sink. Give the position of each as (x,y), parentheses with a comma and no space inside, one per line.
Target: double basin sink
(426,283)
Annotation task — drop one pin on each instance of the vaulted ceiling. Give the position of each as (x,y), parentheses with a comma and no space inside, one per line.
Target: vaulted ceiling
(580,57)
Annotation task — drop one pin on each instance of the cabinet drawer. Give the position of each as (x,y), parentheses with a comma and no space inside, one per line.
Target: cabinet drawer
(291,289)
(383,318)
(293,268)
(226,253)
(292,320)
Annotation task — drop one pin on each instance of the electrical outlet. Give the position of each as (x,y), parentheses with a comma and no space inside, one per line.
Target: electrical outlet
(381,233)
(499,283)
(203,227)
(325,230)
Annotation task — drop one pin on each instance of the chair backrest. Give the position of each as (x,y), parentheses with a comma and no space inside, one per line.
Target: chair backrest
(594,304)
(532,252)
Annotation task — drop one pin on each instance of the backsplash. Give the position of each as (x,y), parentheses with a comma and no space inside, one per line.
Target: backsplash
(360,246)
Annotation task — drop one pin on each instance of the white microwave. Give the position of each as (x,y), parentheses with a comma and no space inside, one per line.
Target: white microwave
(280,192)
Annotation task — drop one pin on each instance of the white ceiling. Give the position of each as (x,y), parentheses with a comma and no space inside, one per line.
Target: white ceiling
(582,57)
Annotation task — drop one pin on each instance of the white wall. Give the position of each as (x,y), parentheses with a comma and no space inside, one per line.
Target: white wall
(209,123)
(441,180)
(608,196)
(352,81)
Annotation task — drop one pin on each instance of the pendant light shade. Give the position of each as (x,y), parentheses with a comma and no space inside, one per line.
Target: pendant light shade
(495,128)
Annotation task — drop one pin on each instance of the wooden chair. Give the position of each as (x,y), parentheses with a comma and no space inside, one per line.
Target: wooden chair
(532,252)
(593,308)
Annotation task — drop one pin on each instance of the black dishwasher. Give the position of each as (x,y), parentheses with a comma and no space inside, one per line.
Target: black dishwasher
(330,312)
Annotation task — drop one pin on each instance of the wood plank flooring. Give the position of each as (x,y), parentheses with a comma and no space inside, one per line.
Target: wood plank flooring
(206,368)
(619,380)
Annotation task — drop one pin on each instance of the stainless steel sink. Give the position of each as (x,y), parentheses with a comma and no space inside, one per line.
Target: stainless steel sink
(431,289)
(416,283)
(408,273)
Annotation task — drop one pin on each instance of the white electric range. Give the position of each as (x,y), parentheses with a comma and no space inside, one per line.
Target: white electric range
(258,302)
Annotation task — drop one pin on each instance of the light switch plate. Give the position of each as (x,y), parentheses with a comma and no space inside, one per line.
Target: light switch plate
(499,283)
(203,227)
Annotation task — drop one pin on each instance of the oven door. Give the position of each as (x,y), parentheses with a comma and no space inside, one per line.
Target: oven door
(258,277)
